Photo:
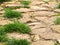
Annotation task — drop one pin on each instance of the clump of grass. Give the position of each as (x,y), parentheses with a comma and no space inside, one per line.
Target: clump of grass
(12,14)
(57,21)
(3,37)
(58,6)
(25,3)
(17,27)
(17,42)
(56,43)
(58,14)
(2,31)
(1,1)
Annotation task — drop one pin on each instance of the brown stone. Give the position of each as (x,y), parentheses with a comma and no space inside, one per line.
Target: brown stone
(35,37)
(50,36)
(56,28)
(39,31)
(18,36)
(43,43)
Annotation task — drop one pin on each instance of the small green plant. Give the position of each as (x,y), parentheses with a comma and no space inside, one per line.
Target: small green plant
(17,27)
(2,31)
(12,14)
(58,6)
(25,3)
(56,43)
(58,14)
(17,42)
(57,21)
(1,1)
(3,37)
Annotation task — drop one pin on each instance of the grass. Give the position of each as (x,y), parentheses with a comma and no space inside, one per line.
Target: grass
(56,43)
(17,27)
(25,6)
(1,1)
(3,37)
(58,14)
(12,14)
(25,3)
(57,21)
(2,31)
(58,5)
(17,42)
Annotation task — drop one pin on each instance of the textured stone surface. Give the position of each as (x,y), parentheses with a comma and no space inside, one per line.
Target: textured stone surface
(43,43)
(50,36)
(18,36)
(56,28)
(39,31)
(35,37)
(39,17)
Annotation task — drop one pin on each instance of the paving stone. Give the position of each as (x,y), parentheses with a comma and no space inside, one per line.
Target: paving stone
(56,28)
(1,12)
(23,10)
(1,8)
(47,20)
(26,18)
(39,31)
(36,2)
(18,36)
(44,13)
(3,22)
(50,36)
(37,25)
(35,38)
(43,43)
(38,8)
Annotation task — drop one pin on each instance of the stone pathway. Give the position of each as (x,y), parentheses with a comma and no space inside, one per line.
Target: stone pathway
(40,17)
